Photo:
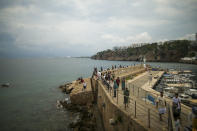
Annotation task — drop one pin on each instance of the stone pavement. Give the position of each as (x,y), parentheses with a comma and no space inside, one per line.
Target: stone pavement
(149,120)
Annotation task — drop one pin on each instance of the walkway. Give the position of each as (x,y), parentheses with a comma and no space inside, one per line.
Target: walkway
(139,96)
(140,108)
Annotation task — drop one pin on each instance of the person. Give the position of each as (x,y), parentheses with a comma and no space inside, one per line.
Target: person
(177,123)
(82,80)
(99,75)
(118,81)
(192,119)
(161,105)
(176,105)
(101,68)
(84,85)
(126,97)
(123,84)
(150,79)
(115,88)
(112,67)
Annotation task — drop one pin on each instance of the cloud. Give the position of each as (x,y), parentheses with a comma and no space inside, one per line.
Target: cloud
(83,27)
(187,37)
(139,38)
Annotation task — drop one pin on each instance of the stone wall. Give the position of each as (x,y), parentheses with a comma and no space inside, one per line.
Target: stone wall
(82,98)
(109,110)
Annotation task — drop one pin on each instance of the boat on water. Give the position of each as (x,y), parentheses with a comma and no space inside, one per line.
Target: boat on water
(181,82)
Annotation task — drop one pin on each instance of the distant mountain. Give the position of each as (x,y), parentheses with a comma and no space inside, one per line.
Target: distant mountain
(169,51)
(82,57)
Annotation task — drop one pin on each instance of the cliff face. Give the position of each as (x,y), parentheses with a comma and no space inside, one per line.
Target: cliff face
(167,52)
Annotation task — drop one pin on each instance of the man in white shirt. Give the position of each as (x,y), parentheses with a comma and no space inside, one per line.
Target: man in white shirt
(99,75)
(161,105)
(84,85)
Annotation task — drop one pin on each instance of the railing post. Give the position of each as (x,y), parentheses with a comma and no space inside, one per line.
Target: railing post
(133,91)
(135,109)
(117,95)
(169,120)
(145,97)
(148,118)
(138,92)
(110,89)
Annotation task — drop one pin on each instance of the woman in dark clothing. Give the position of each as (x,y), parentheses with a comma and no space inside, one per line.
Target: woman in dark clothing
(126,97)
(123,84)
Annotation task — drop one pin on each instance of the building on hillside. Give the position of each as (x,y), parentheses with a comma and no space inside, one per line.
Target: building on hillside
(189,58)
(196,37)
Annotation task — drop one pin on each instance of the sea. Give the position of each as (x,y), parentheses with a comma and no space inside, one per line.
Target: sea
(29,104)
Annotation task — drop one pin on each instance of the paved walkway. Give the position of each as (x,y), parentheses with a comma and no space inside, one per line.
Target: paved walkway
(140,88)
(142,105)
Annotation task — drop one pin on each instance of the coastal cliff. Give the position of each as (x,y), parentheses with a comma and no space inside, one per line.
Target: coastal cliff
(170,51)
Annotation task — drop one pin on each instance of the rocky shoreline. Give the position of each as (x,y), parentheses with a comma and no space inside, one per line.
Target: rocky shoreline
(136,60)
(84,118)
(85,115)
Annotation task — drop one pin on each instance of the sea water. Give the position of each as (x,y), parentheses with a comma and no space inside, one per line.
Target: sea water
(29,104)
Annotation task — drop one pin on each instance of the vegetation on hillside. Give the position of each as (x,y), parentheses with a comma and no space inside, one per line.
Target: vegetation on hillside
(169,51)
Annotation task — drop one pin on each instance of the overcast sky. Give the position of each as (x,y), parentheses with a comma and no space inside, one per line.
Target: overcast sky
(51,28)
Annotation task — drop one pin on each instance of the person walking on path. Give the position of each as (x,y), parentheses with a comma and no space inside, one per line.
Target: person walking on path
(161,105)
(126,97)
(123,84)
(118,81)
(115,88)
(176,105)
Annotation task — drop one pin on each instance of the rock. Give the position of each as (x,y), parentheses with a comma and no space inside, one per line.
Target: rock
(76,121)
(5,85)
(112,121)
(68,91)
(61,86)
(68,84)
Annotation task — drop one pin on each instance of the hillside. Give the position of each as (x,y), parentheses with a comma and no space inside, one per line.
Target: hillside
(170,51)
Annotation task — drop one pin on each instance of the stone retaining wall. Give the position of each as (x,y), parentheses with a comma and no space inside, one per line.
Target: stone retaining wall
(109,110)
(82,98)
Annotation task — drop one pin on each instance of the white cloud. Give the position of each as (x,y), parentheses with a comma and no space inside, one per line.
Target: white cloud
(139,38)
(187,37)
(124,23)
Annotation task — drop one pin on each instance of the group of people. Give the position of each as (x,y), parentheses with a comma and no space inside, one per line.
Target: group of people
(176,109)
(108,78)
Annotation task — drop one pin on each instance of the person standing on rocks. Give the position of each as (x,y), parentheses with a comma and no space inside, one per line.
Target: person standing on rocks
(84,85)
(161,105)
(126,97)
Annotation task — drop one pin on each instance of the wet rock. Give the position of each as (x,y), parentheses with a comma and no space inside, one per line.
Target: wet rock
(5,85)
(76,121)
(66,88)
(68,91)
